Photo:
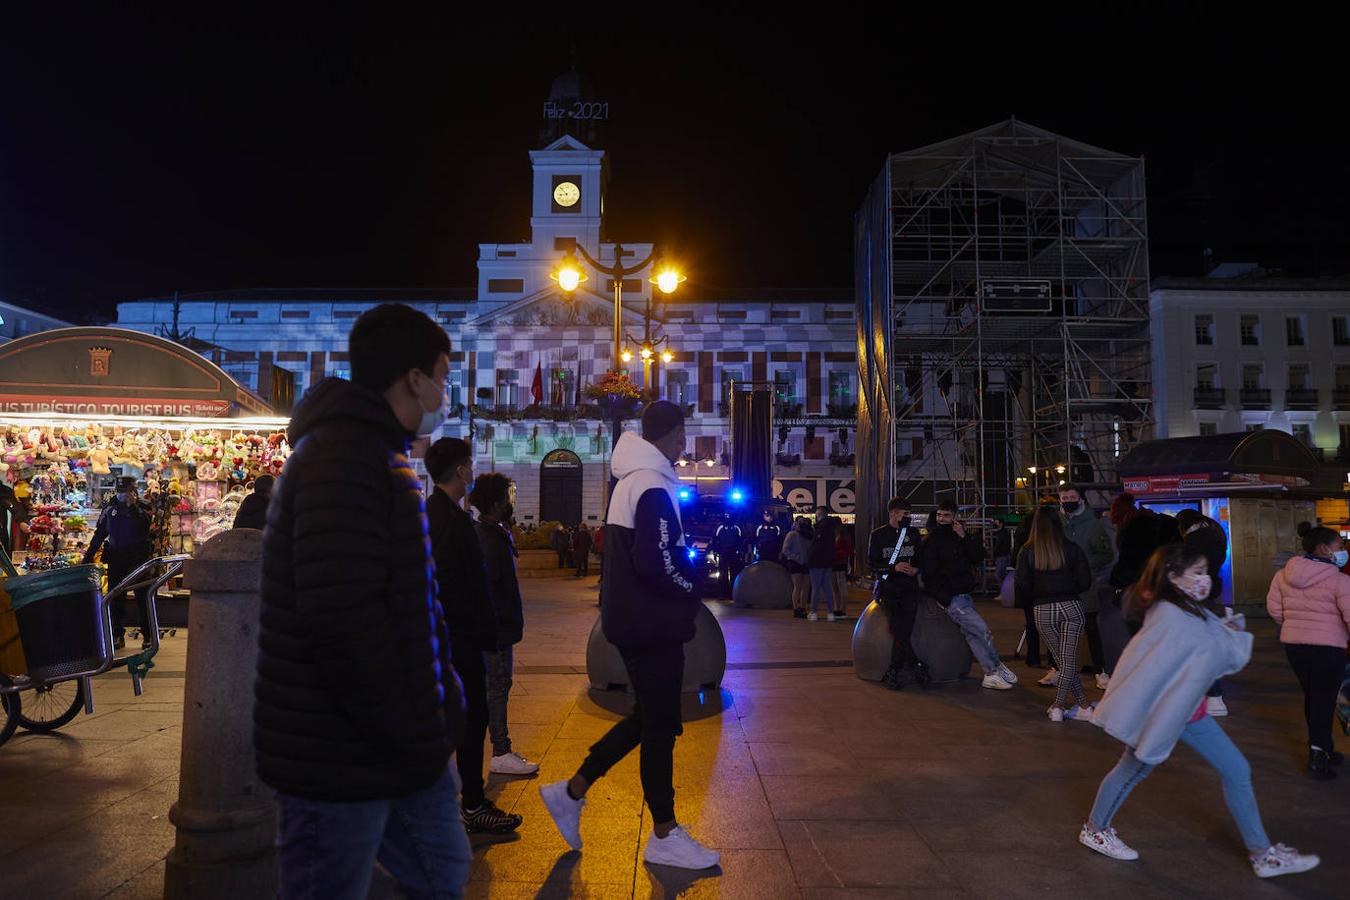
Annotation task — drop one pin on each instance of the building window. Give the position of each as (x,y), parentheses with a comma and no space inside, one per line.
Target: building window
(841,389)
(1208,428)
(344,374)
(785,387)
(562,388)
(1293,331)
(1204,330)
(1250,329)
(1343,378)
(1345,442)
(1253,426)
(729,376)
(1298,377)
(508,389)
(1252,376)
(1303,431)
(677,387)
(564,243)
(506,285)
(1206,377)
(1340,331)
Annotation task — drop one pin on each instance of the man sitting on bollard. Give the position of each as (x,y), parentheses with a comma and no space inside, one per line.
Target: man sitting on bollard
(893,555)
(357,708)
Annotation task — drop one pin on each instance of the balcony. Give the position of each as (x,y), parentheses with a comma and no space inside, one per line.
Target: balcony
(1254,398)
(842,410)
(1300,398)
(1340,397)
(1210,398)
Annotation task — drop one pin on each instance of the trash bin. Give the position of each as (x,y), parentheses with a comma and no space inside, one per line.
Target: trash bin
(61,622)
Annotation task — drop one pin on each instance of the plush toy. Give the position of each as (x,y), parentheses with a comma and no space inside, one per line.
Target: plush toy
(207,471)
(98,461)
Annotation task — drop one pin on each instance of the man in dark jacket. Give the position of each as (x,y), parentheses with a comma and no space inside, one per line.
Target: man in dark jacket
(729,541)
(253,511)
(949,560)
(651,592)
(494,496)
(768,539)
(820,562)
(561,545)
(469,615)
(581,549)
(356,703)
(124,525)
(893,556)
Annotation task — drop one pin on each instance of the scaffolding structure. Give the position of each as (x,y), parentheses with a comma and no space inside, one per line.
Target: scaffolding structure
(1014,297)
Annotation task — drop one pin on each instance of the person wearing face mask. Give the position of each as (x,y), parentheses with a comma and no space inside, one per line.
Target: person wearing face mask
(1207,536)
(1083,526)
(1157,697)
(462,578)
(357,708)
(124,525)
(494,496)
(768,538)
(1310,600)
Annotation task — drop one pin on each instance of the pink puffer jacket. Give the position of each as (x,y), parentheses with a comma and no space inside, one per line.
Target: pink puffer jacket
(1311,602)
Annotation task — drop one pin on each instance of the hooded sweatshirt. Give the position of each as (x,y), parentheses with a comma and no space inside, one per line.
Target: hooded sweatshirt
(355,698)
(1310,599)
(650,591)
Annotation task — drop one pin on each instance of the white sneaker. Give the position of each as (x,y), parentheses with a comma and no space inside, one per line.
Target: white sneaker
(1102,681)
(679,850)
(512,764)
(1214,706)
(565,811)
(996,682)
(1080,713)
(831,617)
(1051,678)
(1006,674)
(812,617)
(1282,860)
(1107,843)
(1056,714)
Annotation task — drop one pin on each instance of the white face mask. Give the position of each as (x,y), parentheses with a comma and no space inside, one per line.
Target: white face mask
(432,419)
(1194,586)
(1340,558)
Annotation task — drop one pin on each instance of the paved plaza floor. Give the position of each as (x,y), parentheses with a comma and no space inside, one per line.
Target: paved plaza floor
(810,782)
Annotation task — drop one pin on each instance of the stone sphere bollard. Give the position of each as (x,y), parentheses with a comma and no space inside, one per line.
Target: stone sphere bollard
(705,657)
(936,640)
(225,817)
(763,585)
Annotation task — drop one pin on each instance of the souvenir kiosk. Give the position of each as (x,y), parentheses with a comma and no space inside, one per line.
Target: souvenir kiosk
(80,407)
(1258,485)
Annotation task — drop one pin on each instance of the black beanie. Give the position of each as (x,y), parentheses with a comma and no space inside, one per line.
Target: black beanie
(660,419)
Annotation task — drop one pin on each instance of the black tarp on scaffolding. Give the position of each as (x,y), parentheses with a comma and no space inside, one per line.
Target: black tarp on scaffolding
(876,393)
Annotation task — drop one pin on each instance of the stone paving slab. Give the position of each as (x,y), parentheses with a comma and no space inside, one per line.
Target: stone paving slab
(812,783)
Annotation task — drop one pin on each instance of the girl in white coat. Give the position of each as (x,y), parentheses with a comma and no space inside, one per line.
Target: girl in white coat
(1157,697)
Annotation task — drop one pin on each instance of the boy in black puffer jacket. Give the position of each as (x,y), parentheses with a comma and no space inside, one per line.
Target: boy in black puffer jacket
(357,707)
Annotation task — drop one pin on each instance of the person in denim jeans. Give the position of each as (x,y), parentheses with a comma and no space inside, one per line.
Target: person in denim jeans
(820,562)
(949,557)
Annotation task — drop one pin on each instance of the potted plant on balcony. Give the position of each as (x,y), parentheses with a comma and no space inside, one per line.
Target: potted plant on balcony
(617,397)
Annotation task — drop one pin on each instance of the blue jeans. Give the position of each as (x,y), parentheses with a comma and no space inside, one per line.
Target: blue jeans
(1209,740)
(327,851)
(500,672)
(961,610)
(822,588)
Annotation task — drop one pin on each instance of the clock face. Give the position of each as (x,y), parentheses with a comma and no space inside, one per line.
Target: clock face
(566,194)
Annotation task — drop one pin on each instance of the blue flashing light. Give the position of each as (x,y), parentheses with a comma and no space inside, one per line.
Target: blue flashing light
(693,554)
(737,495)
(685,494)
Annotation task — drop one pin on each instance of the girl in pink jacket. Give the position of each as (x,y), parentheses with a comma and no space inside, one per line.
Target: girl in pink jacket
(1310,599)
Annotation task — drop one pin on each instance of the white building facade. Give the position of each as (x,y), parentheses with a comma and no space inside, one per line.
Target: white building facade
(519,325)
(19,321)
(1255,351)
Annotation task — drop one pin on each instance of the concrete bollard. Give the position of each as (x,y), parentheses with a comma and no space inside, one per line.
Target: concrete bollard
(226,818)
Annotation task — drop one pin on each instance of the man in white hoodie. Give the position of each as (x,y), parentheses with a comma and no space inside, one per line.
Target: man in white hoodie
(650,592)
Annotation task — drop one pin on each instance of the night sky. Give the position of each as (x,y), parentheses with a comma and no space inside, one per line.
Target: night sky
(211,148)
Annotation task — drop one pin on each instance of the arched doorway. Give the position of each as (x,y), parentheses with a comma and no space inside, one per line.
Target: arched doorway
(560,488)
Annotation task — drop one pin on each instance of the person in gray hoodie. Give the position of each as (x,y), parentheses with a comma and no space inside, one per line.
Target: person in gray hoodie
(1085,528)
(1157,697)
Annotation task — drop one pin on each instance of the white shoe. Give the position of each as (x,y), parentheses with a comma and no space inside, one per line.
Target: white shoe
(512,764)
(1051,678)
(1102,681)
(679,850)
(1080,713)
(812,617)
(831,617)
(996,682)
(565,811)
(1006,674)
(1056,713)
(1107,843)
(1214,706)
(1282,860)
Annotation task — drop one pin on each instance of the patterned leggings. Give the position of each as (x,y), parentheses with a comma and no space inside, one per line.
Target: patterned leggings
(1061,625)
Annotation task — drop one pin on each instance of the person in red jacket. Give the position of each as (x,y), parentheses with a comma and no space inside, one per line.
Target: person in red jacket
(1310,599)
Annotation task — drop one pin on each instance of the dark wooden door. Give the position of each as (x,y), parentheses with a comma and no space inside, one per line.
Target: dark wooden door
(560,488)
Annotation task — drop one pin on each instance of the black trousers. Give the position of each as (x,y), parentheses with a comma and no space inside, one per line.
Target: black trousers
(655,672)
(1094,641)
(122,563)
(1320,671)
(901,611)
(472,672)
(1033,637)
(584,563)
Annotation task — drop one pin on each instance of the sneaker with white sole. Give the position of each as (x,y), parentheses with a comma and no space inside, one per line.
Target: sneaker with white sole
(680,851)
(1051,678)
(1282,860)
(831,617)
(1006,674)
(565,811)
(1107,843)
(1080,713)
(1102,681)
(812,617)
(996,682)
(1056,713)
(489,819)
(1215,707)
(512,764)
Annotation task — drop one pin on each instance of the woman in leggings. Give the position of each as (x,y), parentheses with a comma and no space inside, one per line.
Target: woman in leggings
(1051,573)
(1157,697)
